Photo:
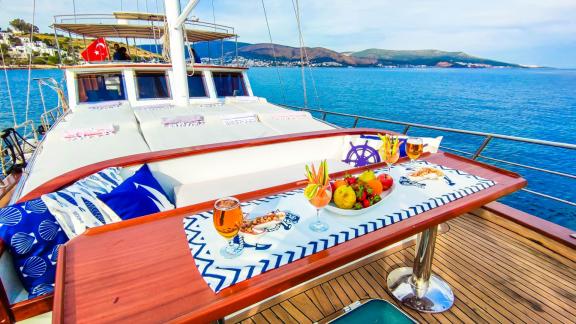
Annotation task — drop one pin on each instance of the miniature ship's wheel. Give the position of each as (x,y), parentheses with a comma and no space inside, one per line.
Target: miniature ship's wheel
(361,155)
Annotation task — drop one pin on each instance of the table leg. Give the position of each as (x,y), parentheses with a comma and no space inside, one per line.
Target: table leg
(417,287)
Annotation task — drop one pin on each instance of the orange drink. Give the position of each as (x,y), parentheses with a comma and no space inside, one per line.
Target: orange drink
(228,218)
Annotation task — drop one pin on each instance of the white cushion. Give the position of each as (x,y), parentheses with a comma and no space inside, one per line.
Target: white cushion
(193,193)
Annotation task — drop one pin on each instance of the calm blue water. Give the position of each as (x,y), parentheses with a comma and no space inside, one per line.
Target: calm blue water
(529,103)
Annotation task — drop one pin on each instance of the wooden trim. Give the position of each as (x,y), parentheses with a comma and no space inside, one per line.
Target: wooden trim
(58,291)
(89,254)
(70,177)
(32,307)
(10,183)
(555,237)
(145,65)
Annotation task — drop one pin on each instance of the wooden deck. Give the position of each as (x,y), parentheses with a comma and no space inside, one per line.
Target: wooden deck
(496,275)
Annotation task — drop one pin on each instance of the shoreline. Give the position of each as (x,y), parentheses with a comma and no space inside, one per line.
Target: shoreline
(33,67)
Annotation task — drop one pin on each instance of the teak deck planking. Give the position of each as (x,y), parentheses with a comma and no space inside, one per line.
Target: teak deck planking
(496,275)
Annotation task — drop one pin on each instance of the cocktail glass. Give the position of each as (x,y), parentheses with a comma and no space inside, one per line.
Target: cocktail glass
(228,218)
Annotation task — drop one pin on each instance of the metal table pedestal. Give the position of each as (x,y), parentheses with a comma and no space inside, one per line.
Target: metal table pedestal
(417,287)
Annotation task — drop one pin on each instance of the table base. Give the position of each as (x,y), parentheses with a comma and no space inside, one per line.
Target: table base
(437,298)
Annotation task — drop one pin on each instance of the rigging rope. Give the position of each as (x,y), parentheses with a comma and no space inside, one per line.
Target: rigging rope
(296,6)
(30,61)
(8,86)
(274,53)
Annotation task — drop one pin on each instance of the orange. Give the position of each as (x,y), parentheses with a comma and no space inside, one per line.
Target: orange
(340,183)
(376,186)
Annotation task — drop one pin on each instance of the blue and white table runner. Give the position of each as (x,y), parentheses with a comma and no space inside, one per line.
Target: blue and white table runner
(294,240)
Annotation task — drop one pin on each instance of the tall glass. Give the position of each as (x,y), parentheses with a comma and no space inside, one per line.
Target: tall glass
(320,200)
(414,148)
(228,218)
(390,150)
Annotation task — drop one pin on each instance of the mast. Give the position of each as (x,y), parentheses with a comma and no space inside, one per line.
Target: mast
(175,30)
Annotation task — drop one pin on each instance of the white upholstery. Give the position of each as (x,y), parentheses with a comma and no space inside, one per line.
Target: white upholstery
(58,155)
(292,126)
(160,138)
(197,192)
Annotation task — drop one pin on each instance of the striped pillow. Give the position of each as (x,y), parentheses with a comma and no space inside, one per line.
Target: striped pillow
(75,207)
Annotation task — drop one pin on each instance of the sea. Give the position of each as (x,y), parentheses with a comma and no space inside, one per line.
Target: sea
(531,103)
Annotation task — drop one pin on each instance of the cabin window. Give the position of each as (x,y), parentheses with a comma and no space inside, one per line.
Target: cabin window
(152,85)
(229,84)
(100,87)
(196,86)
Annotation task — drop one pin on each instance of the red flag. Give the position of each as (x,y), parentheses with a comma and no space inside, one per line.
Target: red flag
(97,51)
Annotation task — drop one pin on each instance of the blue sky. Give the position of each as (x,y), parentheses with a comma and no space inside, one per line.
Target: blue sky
(540,32)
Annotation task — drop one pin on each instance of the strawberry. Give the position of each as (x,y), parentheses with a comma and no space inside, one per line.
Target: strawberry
(351,180)
(366,203)
(363,195)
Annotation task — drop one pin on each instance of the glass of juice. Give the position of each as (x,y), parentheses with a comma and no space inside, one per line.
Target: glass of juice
(414,148)
(319,201)
(390,150)
(228,218)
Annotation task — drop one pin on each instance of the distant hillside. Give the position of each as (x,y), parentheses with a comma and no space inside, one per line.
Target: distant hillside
(424,57)
(262,55)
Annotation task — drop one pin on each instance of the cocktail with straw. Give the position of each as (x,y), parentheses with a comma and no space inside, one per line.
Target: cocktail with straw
(390,149)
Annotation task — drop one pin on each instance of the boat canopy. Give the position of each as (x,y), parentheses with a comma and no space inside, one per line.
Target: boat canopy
(136,31)
(139,16)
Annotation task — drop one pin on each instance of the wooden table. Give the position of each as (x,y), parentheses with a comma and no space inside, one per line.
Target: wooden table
(141,270)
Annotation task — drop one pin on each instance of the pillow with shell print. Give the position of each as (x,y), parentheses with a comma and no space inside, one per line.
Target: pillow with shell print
(33,236)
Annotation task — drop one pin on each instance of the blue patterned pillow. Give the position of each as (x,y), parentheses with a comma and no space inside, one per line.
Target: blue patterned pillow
(139,195)
(33,237)
(75,207)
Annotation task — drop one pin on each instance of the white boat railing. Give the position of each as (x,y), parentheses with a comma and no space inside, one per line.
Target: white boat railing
(478,152)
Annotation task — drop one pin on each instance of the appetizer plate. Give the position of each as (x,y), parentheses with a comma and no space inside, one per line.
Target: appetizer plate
(331,207)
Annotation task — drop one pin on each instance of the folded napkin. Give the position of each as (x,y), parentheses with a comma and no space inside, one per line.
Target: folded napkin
(239,119)
(106,105)
(183,121)
(80,133)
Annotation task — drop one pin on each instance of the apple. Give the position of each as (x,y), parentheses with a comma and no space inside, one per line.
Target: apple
(386,181)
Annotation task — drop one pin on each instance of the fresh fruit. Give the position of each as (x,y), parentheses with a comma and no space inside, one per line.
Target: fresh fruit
(366,176)
(345,197)
(311,190)
(386,181)
(339,183)
(376,186)
(350,180)
(365,203)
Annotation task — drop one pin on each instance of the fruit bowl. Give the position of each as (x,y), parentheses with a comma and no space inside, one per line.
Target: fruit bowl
(354,212)
(358,195)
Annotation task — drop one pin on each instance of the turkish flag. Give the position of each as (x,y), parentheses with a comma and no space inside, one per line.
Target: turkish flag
(97,51)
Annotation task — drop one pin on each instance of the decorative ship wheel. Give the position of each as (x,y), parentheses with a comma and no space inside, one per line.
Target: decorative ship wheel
(361,155)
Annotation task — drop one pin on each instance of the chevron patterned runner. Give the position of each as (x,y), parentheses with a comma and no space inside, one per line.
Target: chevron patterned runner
(293,240)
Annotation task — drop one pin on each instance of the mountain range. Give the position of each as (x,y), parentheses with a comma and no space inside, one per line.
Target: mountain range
(287,55)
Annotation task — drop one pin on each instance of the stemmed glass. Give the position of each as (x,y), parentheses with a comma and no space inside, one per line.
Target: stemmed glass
(320,200)
(318,192)
(390,150)
(414,148)
(228,218)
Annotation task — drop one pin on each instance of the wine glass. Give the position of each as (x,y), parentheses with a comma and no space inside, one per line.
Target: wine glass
(228,218)
(414,148)
(319,201)
(390,150)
